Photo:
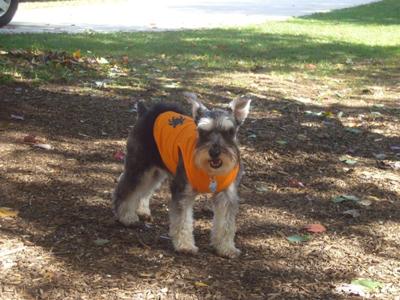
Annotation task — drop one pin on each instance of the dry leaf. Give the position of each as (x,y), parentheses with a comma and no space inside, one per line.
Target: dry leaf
(8,212)
(355,213)
(200,284)
(30,139)
(295,183)
(77,54)
(119,155)
(125,59)
(43,146)
(315,228)
(17,117)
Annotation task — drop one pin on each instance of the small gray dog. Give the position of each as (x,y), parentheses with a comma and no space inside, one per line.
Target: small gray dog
(200,154)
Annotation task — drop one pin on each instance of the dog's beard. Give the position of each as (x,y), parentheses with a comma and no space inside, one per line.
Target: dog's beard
(202,161)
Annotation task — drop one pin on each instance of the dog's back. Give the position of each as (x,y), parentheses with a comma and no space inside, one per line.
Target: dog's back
(142,139)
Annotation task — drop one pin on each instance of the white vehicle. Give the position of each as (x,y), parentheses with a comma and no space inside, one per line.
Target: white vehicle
(7,11)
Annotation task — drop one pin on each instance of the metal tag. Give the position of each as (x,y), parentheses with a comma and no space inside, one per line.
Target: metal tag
(213,186)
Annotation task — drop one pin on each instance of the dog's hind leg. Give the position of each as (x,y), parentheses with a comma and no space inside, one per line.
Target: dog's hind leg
(181,213)
(226,205)
(153,181)
(133,192)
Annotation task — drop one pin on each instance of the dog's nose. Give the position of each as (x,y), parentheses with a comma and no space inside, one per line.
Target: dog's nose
(214,151)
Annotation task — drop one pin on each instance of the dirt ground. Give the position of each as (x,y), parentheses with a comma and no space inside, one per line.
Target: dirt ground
(65,243)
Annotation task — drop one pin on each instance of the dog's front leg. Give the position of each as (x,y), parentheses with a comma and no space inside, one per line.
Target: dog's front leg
(226,204)
(181,213)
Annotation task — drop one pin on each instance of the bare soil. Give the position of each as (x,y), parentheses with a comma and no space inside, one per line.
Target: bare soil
(65,243)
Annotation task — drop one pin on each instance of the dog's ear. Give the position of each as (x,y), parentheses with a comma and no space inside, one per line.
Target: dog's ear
(240,108)
(198,108)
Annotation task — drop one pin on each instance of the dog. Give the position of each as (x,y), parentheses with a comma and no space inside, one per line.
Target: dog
(199,153)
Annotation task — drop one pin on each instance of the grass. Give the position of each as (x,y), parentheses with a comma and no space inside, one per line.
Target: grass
(319,45)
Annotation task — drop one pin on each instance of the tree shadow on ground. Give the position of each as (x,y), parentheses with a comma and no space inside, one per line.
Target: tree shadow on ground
(64,211)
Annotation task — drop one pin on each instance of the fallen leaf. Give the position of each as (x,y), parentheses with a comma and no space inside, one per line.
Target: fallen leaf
(374,199)
(125,59)
(352,212)
(200,284)
(101,83)
(365,202)
(17,117)
(395,148)
(376,114)
(102,60)
(281,142)
(328,114)
(101,242)
(8,212)
(146,275)
(172,85)
(30,139)
(77,54)
(315,228)
(349,61)
(378,105)
(368,284)
(311,66)
(298,238)
(347,160)
(351,289)
(119,155)
(396,165)
(43,146)
(262,188)
(295,183)
(342,198)
(312,113)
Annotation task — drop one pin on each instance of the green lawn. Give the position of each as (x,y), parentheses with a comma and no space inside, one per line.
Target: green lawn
(321,44)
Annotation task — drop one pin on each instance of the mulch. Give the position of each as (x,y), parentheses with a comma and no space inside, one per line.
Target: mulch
(65,244)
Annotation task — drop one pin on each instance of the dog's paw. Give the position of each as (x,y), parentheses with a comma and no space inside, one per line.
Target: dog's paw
(228,252)
(129,219)
(144,214)
(187,249)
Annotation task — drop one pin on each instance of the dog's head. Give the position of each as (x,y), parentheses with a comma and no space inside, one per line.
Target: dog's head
(217,152)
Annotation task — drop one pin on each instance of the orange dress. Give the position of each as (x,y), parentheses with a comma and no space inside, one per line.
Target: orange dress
(174,132)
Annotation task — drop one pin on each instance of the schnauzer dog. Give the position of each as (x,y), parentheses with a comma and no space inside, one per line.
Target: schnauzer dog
(200,154)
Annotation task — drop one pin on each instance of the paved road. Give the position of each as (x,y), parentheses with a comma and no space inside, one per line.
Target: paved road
(131,15)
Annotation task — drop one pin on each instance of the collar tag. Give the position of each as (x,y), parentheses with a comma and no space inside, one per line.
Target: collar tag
(213,185)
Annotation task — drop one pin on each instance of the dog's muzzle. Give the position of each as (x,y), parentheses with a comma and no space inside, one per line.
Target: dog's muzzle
(215,161)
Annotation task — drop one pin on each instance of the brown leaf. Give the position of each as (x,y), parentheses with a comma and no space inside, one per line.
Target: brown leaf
(315,228)
(125,59)
(8,212)
(30,139)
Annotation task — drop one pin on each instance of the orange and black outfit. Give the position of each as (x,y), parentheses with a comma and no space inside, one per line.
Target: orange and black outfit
(174,132)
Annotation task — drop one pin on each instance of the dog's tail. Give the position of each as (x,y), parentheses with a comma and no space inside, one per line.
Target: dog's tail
(141,108)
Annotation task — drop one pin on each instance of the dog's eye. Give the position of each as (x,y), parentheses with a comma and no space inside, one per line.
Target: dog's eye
(230,133)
